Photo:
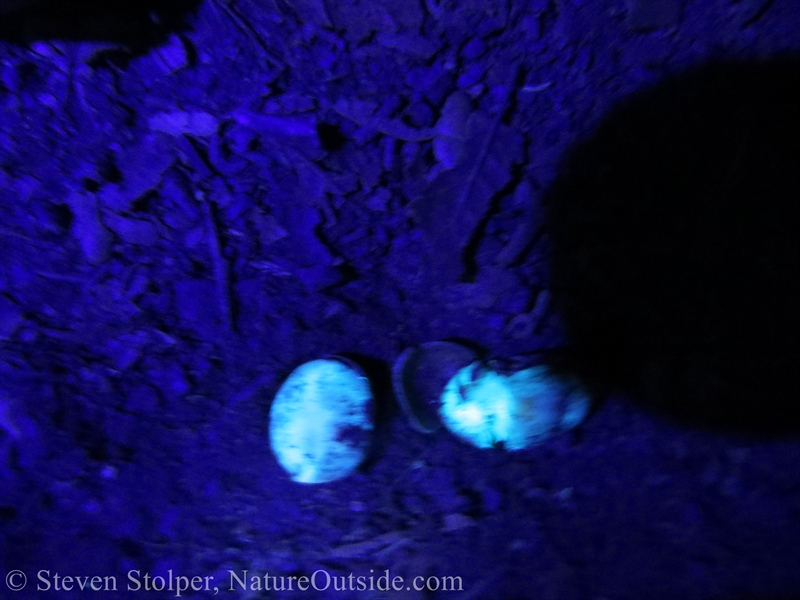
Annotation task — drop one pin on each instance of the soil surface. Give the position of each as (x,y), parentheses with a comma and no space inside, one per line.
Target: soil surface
(196,204)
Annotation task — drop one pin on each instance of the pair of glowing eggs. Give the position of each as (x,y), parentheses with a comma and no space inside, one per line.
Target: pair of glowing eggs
(322,418)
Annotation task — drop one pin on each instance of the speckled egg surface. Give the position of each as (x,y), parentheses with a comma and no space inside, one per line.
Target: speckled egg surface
(487,409)
(321,421)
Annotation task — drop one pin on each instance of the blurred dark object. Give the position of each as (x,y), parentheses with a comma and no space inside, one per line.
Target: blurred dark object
(136,23)
(676,261)
(647,15)
(8,6)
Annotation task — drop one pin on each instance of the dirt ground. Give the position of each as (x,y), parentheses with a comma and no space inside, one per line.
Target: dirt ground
(262,183)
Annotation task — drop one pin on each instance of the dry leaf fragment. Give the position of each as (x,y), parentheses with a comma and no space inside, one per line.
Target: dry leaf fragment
(312,12)
(449,211)
(451,129)
(93,238)
(131,231)
(177,123)
(362,113)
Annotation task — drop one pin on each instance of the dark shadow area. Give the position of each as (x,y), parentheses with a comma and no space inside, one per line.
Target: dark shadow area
(384,407)
(137,24)
(675,248)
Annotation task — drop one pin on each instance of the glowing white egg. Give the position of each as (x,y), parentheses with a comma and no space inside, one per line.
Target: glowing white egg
(321,421)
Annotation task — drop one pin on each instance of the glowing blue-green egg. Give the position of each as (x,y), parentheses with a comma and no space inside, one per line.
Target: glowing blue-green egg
(321,421)
(487,409)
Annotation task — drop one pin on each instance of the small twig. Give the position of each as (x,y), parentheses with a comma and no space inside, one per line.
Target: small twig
(62,277)
(248,30)
(249,390)
(221,276)
(361,115)
(209,209)
(34,241)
